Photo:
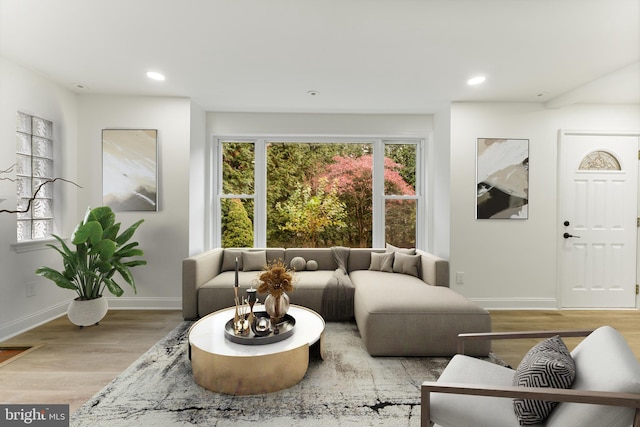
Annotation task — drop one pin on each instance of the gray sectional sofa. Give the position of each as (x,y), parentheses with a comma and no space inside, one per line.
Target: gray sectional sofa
(400,300)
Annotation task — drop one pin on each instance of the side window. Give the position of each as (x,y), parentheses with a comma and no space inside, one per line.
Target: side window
(34,166)
(237,198)
(400,199)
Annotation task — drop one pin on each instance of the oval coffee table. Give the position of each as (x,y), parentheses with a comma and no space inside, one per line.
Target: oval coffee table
(226,367)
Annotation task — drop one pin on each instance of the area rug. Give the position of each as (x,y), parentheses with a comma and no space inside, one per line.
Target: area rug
(347,388)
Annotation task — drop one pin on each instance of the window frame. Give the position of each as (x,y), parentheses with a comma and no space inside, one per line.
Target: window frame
(31,241)
(214,219)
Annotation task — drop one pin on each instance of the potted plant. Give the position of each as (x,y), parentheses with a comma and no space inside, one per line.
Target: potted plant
(100,252)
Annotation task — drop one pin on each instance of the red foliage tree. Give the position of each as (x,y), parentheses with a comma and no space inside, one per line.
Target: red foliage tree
(353,178)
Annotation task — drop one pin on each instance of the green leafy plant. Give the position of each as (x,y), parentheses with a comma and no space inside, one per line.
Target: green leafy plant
(100,253)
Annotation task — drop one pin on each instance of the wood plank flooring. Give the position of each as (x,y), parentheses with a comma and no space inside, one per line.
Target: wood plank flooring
(74,364)
(627,322)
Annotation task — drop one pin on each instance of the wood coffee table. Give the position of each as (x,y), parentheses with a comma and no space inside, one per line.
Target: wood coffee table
(226,367)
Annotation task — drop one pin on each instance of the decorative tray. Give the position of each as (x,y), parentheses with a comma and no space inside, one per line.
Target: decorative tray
(284,330)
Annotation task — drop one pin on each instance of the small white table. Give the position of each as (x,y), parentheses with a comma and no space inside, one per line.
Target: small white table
(226,367)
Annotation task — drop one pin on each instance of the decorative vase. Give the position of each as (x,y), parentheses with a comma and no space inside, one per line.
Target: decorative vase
(276,307)
(87,312)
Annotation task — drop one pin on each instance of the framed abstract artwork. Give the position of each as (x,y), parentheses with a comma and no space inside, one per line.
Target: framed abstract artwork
(130,169)
(502,178)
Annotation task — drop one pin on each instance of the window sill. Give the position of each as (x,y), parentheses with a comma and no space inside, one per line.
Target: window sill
(33,245)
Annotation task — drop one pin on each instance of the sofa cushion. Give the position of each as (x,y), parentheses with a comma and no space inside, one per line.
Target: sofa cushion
(382,262)
(465,410)
(312,265)
(254,260)
(406,264)
(229,260)
(360,258)
(408,251)
(323,256)
(218,293)
(604,362)
(547,364)
(298,263)
(412,318)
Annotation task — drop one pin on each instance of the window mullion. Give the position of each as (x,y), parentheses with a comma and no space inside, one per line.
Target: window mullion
(377,237)
(260,199)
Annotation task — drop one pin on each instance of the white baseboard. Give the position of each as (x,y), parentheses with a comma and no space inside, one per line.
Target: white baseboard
(517,303)
(11,329)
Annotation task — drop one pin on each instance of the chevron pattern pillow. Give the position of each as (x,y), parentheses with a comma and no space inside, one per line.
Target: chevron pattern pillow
(548,364)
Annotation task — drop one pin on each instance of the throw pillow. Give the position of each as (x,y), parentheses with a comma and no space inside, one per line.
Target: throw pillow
(229,260)
(298,263)
(406,264)
(254,260)
(312,265)
(547,364)
(408,251)
(381,262)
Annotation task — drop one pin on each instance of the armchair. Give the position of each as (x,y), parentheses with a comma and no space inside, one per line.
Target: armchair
(473,392)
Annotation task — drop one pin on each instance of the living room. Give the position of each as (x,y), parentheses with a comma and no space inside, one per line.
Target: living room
(506,264)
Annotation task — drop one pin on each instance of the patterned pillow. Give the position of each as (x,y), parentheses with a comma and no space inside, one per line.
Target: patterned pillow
(548,364)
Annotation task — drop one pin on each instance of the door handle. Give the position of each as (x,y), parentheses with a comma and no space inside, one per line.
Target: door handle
(567,235)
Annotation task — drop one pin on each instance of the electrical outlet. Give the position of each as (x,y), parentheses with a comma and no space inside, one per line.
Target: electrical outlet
(460,278)
(31,289)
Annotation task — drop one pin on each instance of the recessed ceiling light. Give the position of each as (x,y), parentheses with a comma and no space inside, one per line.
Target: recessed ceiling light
(155,75)
(313,93)
(476,80)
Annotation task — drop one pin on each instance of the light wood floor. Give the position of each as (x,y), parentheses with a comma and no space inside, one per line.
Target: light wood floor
(75,363)
(627,322)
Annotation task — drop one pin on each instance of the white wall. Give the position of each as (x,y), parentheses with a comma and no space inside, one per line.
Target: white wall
(197,182)
(23,90)
(438,184)
(404,125)
(512,263)
(164,236)
(376,125)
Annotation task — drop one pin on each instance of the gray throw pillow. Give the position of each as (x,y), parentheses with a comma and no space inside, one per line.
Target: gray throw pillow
(254,260)
(298,263)
(406,264)
(312,265)
(408,251)
(229,260)
(547,364)
(381,262)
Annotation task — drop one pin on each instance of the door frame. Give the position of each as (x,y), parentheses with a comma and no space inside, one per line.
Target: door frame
(562,133)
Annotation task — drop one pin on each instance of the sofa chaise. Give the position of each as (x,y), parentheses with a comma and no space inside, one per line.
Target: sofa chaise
(400,299)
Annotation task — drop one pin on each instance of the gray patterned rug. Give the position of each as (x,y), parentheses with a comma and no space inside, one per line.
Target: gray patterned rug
(348,388)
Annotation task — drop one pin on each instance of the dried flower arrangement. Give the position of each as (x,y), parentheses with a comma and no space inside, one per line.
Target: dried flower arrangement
(276,279)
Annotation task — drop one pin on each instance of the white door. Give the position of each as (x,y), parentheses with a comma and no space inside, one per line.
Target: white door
(597,209)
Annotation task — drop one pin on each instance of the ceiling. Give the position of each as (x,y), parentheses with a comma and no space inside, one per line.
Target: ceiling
(364,56)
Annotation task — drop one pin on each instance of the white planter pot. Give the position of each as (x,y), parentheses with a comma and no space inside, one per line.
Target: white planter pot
(87,312)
